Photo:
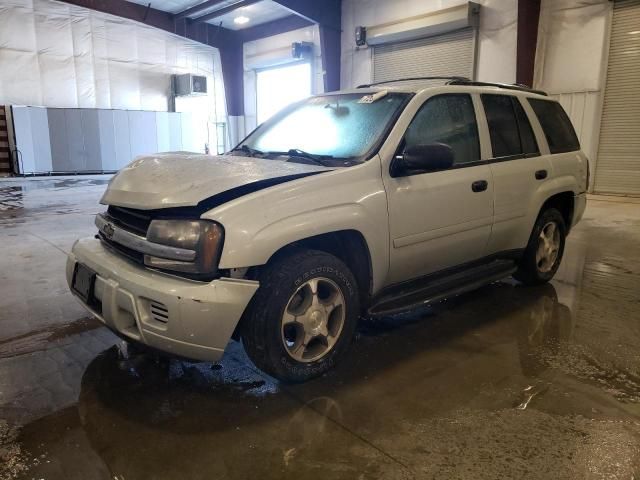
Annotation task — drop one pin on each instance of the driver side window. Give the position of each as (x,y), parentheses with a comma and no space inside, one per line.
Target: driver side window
(448,119)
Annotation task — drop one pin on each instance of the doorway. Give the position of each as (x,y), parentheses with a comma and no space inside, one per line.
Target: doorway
(278,87)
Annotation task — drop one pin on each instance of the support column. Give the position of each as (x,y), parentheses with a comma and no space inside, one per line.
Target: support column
(528,17)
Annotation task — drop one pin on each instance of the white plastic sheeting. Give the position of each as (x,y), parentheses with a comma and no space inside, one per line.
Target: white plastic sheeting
(59,55)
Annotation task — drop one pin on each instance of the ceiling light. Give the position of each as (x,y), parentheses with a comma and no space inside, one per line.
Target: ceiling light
(241,20)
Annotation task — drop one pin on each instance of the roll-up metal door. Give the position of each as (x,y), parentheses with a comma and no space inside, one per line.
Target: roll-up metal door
(451,53)
(618,163)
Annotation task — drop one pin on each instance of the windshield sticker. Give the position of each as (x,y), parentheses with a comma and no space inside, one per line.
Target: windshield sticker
(374,97)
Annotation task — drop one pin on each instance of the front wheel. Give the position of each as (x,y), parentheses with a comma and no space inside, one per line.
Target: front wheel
(543,254)
(303,316)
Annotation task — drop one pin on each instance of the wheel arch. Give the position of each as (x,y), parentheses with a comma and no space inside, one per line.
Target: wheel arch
(350,246)
(564,202)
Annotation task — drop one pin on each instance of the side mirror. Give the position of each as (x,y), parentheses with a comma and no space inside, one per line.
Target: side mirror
(424,158)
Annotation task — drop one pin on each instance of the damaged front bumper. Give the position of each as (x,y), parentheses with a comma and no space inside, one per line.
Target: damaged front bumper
(182,317)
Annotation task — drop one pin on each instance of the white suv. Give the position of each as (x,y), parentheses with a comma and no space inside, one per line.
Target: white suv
(366,201)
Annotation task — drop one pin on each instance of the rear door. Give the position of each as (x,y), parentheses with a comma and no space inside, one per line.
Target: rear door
(439,219)
(517,167)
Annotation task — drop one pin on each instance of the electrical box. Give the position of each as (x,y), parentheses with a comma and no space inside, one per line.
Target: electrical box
(189,85)
(302,50)
(361,36)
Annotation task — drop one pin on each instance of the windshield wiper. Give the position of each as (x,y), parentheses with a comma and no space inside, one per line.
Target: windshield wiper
(247,149)
(296,152)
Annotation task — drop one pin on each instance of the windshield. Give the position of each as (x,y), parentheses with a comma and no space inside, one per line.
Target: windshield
(344,126)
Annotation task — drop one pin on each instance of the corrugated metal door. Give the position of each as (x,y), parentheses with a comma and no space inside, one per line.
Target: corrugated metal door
(618,163)
(451,53)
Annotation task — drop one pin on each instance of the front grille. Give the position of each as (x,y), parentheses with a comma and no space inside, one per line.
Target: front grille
(135,221)
(159,312)
(129,253)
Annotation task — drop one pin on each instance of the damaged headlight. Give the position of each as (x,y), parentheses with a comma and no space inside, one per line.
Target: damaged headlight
(203,237)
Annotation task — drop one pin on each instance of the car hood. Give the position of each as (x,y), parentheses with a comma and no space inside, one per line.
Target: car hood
(181,179)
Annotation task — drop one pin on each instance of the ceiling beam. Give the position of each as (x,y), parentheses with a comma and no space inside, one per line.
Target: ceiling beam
(225,10)
(327,13)
(282,25)
(133,11)
(198,8)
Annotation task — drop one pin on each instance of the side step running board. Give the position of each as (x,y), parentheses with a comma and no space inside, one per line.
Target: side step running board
(409,296)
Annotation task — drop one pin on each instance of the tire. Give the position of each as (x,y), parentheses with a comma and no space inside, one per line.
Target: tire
(531,270)
(277,329)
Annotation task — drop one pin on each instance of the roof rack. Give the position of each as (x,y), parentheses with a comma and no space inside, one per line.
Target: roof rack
(413,79)
(507,86)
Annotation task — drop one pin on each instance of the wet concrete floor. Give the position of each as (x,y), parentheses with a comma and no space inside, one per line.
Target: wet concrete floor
(504,382)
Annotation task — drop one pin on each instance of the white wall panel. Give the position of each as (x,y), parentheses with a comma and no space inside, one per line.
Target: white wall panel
(162,131)
(121,138)
(76,159)
(188,141)
(22,131)
(83,140)
(572,39)
(91,139)
(58,140)
(175,132)
(142,133)
(40,138)
(32,132)
(107,140)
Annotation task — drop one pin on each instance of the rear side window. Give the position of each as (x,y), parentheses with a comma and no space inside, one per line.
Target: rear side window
(527,138)
(503,126)
(509,128)
(556,126)
(448,119)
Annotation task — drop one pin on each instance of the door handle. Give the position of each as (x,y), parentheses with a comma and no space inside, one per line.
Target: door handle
(541,174)
(479,185)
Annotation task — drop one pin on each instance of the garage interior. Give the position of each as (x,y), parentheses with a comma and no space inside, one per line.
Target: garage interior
(502,382)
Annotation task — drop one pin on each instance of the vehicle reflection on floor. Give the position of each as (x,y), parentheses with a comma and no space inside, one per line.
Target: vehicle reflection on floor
(150,418)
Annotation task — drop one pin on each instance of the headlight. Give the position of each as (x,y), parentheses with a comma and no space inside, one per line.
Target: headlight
(203,237)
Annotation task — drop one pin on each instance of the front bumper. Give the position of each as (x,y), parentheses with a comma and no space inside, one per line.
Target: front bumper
(178,316)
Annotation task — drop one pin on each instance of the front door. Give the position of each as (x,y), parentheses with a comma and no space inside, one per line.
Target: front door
(440,219)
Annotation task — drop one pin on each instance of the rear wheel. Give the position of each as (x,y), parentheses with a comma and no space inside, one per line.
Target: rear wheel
(302,317)
(543,254)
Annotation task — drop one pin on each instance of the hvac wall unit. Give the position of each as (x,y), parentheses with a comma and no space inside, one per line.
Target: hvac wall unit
(93,140)
(437,43)
(618,162)
(189,85)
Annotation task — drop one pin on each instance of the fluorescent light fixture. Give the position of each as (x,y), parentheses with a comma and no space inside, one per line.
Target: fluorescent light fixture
(241,20)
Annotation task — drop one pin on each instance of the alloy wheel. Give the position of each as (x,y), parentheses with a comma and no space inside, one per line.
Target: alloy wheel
(313,319)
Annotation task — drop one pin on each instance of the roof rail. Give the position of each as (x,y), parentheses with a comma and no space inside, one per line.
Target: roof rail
(507,86)
(413,79)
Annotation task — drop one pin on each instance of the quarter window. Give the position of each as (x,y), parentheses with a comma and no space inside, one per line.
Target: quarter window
(448,119)
(556,126)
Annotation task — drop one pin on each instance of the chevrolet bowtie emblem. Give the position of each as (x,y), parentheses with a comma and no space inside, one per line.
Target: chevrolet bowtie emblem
(108,230)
